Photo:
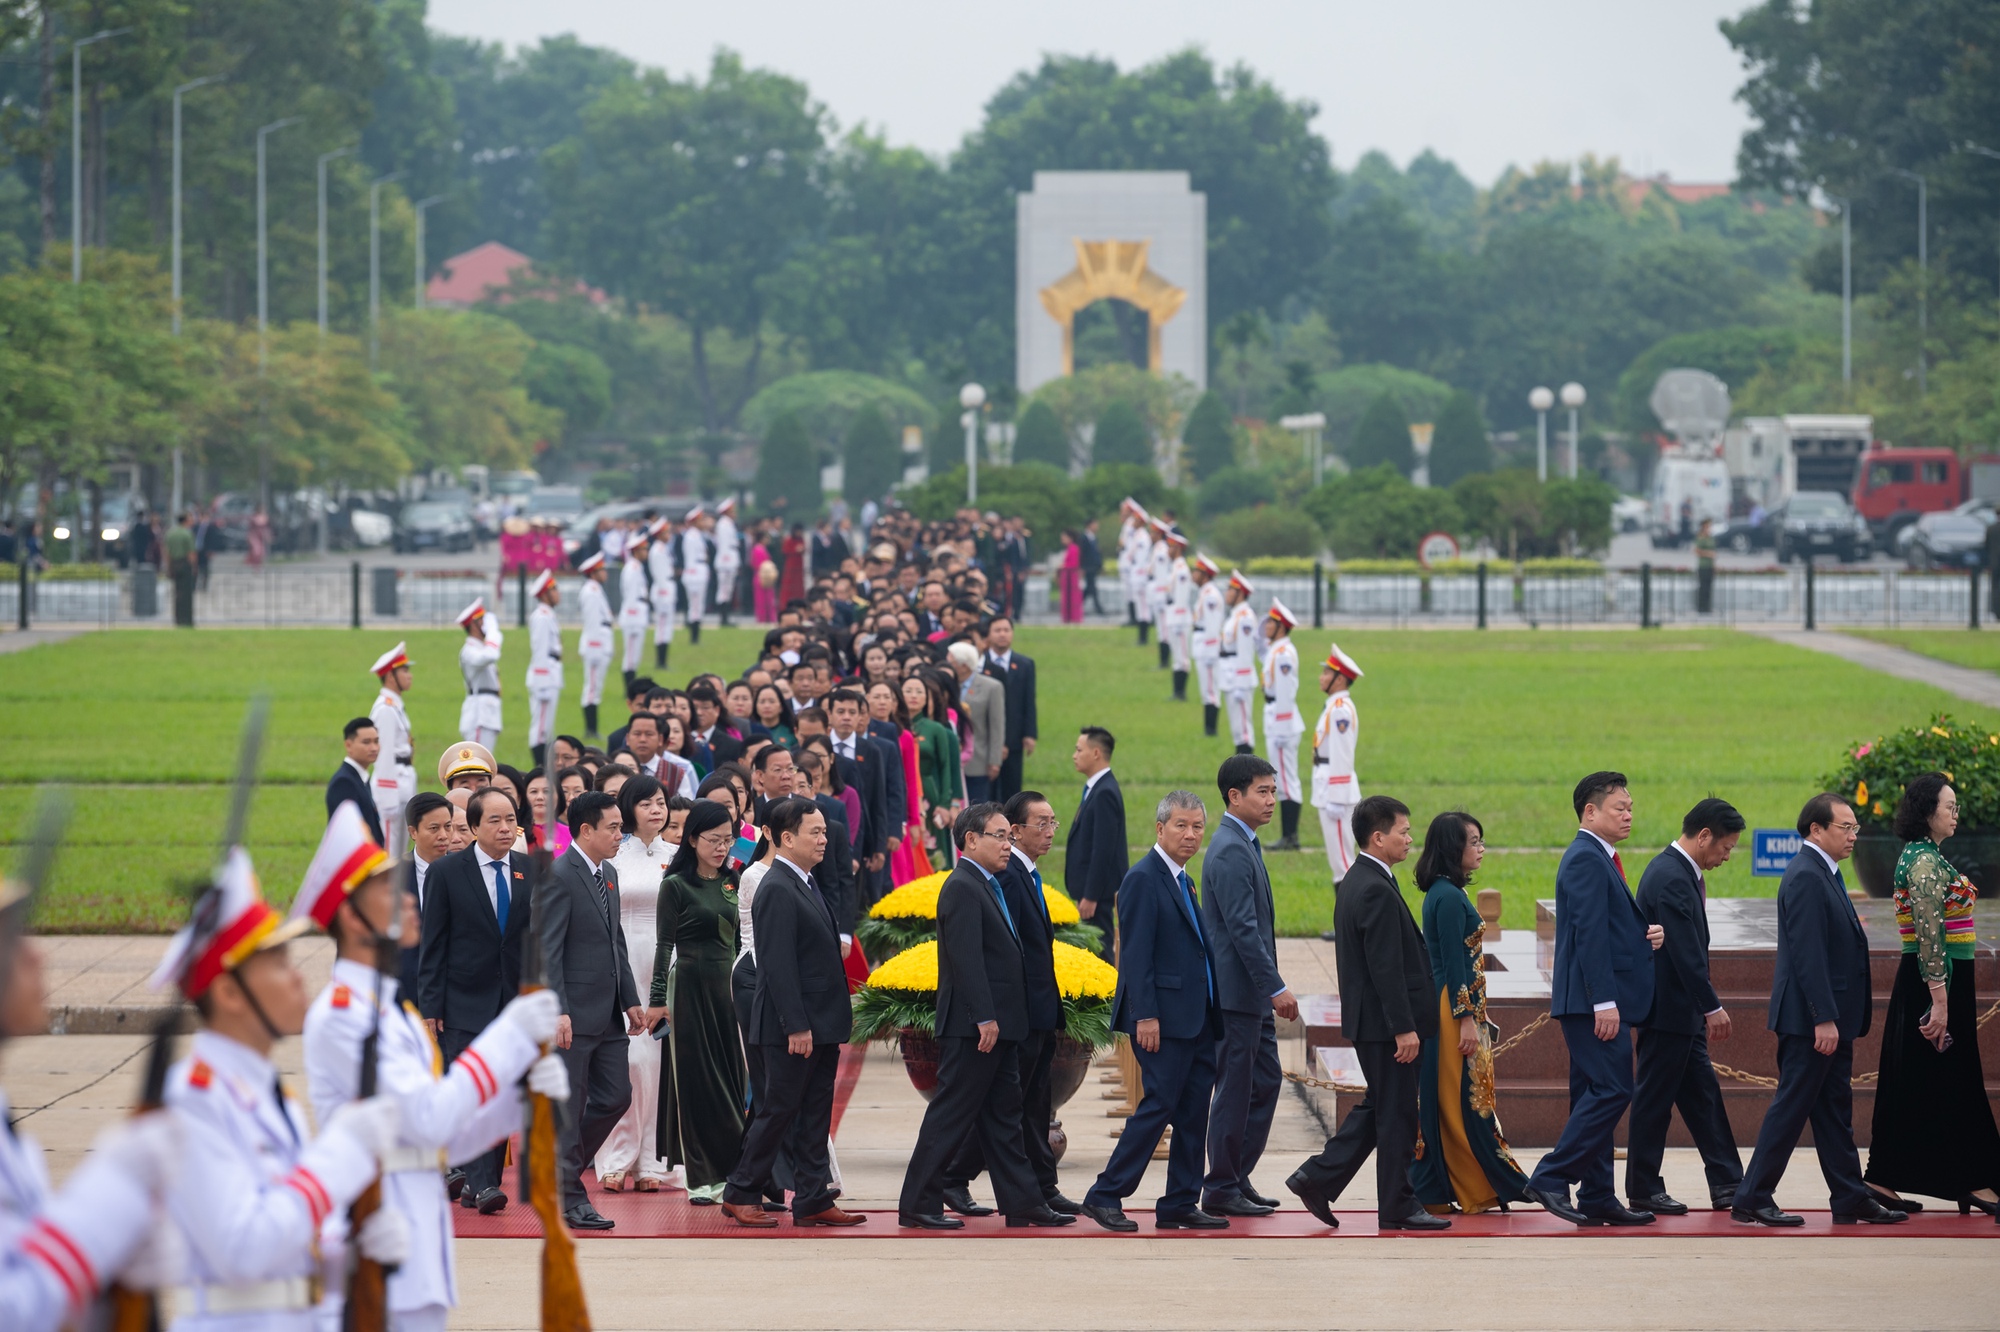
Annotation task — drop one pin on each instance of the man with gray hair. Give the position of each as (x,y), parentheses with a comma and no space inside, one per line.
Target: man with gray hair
(1166,1002)
(985,702)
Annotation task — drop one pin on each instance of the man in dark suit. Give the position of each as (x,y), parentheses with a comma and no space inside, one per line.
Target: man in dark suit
(1601,985)
(1239,916)
(1822,1001)
(982,1019)
(836,871)
(428,817)
(1674,1067)
(1033,820)
(1091,563)
(1166,1004)
(350,780)
(871,762)
(476,913)
(799,1015)
(1095,859)
(1387,1009)
(1017,674)
(583,952)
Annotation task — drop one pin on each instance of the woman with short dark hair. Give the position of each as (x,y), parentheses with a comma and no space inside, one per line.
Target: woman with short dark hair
(1933,1130)
(630,1154)
(1464,1163)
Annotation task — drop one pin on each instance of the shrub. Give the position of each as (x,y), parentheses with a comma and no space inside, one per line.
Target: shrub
(1524,517)
(1100,490)
(788,472)
(1042,495)
(1874,773)
(1251,533)
(1210,441)
(873,456)
(1121,436)
(1039,437)
(1378,513)
(1279,566)
(1234,488)
(1382,437)
(1459,446)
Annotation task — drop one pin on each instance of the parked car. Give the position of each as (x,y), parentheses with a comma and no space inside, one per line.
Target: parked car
(561,503)
(430,526)
(582,530)
(1819,522)
(1952,539)
(1742,536)
(1628,513)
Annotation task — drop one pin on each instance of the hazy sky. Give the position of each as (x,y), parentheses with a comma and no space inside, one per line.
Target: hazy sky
(1485,84)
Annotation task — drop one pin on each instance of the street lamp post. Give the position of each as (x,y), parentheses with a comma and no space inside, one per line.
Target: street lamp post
(324,158)
(1923,271)
(1541,400)
(76,145)
(1572,398)
(972,397)
(263,247)
(184,88)
(421,207)
(1307,426)
(375,264)
(1846,289)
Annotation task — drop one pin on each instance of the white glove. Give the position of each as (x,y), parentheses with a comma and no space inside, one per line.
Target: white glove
(106,1208)
(535,1014)
(146,1149)
(384,1238)
(372,1123)
(160,1262)
(549,1077)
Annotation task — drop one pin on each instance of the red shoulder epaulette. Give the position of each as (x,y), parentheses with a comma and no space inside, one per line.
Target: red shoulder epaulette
(342,996)
(200,1075)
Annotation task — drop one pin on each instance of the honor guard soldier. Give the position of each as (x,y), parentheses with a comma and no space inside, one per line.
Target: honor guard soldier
(1135,566)
(395,782)
(694,567)
(728,557)
(545,672)
(479,663)
(467,763)
(444,1115)
(1237,661)
(1160,585)
(593,640)
(1282,723)
(255,1189)
(1335,788)
(666,587)
(634,606)
(1209,612)
(1178,627)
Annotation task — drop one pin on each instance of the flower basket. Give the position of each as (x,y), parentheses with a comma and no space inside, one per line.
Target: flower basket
(1873,774)
(907,917)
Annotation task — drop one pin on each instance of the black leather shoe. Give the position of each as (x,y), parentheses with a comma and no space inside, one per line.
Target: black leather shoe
(1768,1215)
(1240,1205)
(454,1184)
(490,1201)
(929,1221)
(1558,1206)
(1910,1205)
(1058,1203)
(1191,1219)
(1259,1198)
(1040,1216)
(1661,1204)
(1611,1214)
(1316,1202)
(1326,936)
(585,1217)
(960,1200)
(1111,1218)
(1874,1214)
(1417,1220)
(1722,1200)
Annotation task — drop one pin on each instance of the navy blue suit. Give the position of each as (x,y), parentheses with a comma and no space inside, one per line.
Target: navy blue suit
(1601,956)
(1821,976)
(1166,972)
(1094,860)
(347,784)
(1239,914)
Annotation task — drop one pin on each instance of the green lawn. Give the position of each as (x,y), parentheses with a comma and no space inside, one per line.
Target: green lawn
(1979,649)
(1502,724)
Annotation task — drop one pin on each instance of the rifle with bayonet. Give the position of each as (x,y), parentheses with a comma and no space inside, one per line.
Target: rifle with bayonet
(367,1306)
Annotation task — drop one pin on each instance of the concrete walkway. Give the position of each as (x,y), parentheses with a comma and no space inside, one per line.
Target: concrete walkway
(20,640)
(1973,686)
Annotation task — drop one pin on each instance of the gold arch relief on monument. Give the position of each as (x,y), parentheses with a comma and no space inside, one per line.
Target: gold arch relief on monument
(1112,270)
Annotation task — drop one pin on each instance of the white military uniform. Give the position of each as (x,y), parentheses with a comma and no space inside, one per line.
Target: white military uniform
(479,663)
(446,1116)
(1159,585)
(593,641)
(1179,625)
(254,1193)
(1282,724)
(666,591)
(1238,669)
(1209,613)
(1335,788)
(395,783)
(694,571)
(632,607)
(545,673)
(1135,566)
(728,560)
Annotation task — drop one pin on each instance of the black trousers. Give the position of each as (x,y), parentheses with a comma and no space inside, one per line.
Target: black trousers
(184,580)
(483,1171)
(1177,1081)
(742,989)
(1008,784)
(1090,590)
(978,1094)
(797,1114)
(1247,1082)
(1817,1089)
(1037,1058)
(600,1081)
(1675,1072)
(1600,1089)
(1385,1123)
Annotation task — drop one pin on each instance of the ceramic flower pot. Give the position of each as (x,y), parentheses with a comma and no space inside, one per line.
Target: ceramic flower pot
(1973,852)
(1067,1070)
(920,1060)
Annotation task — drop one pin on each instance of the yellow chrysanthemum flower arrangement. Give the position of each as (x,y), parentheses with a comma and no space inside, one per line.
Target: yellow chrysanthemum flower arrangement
(902,993)
(907,915)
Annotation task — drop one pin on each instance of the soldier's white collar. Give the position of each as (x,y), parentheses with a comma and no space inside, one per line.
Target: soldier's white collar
(364,979)
(231,1056)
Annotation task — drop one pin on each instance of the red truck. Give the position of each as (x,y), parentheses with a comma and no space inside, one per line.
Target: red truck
(1894,487)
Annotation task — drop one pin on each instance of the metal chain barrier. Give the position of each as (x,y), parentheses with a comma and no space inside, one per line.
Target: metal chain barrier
(1759,1080)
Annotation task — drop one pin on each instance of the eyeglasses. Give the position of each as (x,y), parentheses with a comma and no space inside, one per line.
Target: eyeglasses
(1045,825)
(1849,826)
(1005,836)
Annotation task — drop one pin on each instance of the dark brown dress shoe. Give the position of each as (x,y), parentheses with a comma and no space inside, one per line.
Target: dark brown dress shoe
(751,1215)
(832,1216)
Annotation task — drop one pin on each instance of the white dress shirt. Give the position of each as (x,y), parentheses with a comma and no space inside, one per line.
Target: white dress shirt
(486,864)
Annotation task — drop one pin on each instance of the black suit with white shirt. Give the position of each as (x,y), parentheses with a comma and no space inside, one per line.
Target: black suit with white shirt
(414,876)
(1017,675)
(350,782)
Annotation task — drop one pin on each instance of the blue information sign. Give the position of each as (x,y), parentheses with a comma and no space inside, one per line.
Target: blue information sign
(1771,849)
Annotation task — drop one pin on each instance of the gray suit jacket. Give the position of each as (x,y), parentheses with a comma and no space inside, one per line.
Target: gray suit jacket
(1240,918)
(583,946)
(986,708)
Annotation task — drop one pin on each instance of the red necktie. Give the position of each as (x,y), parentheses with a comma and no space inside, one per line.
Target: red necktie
(1621,868)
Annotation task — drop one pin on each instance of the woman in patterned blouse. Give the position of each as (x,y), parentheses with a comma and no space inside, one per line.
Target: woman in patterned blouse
(1933,1132)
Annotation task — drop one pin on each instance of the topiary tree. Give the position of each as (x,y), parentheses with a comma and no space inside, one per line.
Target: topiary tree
(1211,444)
(1267,531)
(1459,446)
(1121,436)
(788,471)
(873,456)
(1235,488)
(1039,437)
(1383,436)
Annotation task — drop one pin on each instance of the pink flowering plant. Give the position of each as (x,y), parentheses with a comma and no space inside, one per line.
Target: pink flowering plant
(1874,772)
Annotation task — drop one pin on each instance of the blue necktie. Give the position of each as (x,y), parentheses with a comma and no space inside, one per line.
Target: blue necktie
(1194,913)
(1040,897)
(1001,898)
(500,893)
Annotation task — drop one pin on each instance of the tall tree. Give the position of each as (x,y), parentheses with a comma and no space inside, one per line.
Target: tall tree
(1383,436)
(1121,436)
(788,472)
(873,457)
(1211,444)
(1459,446)
(1039,437)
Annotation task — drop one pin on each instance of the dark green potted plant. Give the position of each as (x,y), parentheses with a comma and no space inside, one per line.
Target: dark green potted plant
(1873,773)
